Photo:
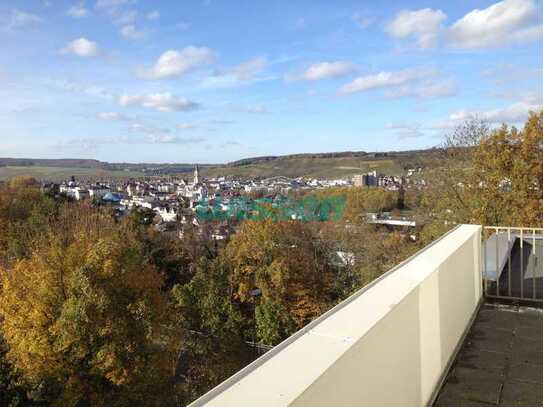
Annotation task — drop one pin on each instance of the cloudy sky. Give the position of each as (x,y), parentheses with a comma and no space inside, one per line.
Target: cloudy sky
(218,80)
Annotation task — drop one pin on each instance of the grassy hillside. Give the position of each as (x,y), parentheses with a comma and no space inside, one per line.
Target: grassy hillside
(325,165)
(309,167)
(63,173)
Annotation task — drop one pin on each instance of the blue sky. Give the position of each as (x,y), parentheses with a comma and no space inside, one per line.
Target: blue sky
(214,81)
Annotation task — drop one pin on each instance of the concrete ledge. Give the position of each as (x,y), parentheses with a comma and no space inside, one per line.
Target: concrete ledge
(388,345)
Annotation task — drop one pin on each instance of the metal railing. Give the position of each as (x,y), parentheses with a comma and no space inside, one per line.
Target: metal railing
(511,267)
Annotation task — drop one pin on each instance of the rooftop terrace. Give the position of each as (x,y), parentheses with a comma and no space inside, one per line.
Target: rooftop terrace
(501,361)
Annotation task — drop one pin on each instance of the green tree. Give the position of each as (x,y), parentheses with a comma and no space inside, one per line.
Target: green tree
(273,322)
(211,327)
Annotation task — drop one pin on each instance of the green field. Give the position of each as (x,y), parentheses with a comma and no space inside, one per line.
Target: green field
(63,173)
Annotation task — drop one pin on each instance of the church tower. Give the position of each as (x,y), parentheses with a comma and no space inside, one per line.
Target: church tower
(196,175)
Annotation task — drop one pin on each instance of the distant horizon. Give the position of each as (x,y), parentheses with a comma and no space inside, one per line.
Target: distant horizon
(215,163)
(214,81)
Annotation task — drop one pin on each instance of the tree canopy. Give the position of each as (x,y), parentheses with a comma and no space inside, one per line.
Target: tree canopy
(486,176)
(85,319)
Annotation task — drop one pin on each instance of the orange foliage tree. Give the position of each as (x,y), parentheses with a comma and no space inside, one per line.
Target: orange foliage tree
(281,259)
(86,321)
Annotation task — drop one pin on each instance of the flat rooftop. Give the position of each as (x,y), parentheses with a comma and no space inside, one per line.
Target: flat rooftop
(500,362)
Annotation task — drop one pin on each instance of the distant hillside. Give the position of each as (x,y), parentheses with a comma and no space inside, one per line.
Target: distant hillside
(61,163)
(84,169)
(87,163)
(318,165)
(257,160)
(323,165)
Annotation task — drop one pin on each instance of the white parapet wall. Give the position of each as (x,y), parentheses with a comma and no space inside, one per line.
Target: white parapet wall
(389,344)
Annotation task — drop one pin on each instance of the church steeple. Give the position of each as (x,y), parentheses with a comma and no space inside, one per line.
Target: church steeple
(196,175)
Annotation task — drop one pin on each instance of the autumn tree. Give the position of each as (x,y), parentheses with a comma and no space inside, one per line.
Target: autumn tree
(362,200)
(280,259)
(510,167)
(359,200)
(170,255)
(25,213)
(486,176)
(12,392)
(86,322)
(211,328)
(452,196)
(362,252)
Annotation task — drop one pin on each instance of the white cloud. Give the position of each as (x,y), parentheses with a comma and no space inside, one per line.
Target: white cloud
(508,21)
(248,70)
(424,25)
(514,113)
(326,70)
(109,4)
(81,47)
(508,73)
(132,33)
(18,19)
(163,102)
(153,15)
(419,83)
(113,116)
(78,10)
(424,90)
(437,89)
(174,63)
(503,23)
(382,80)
